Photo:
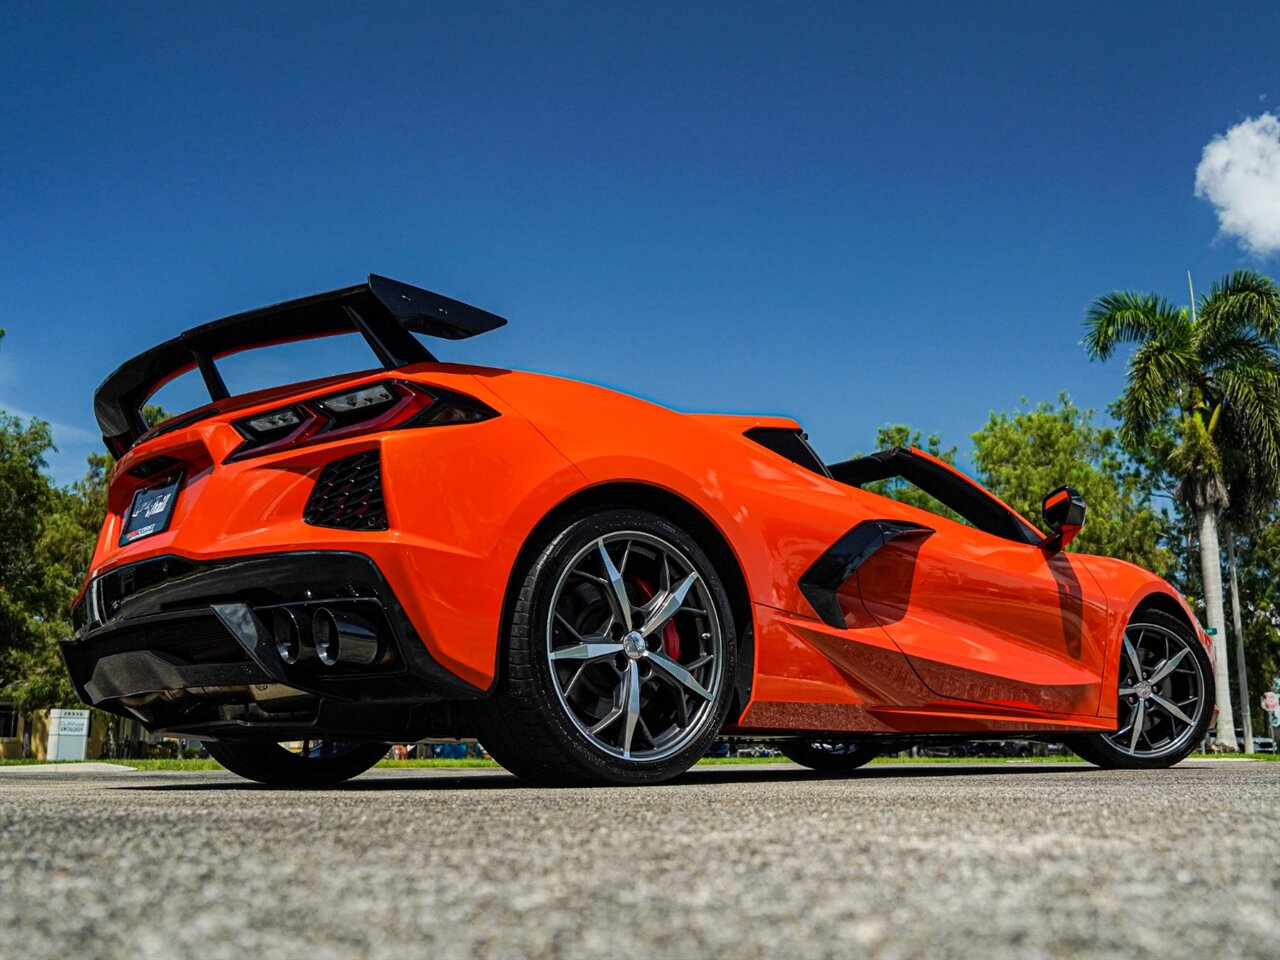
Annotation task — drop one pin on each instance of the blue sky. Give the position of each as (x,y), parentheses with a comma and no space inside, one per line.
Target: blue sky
(853,214)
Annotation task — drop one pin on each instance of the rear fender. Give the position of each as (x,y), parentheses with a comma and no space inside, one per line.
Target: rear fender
(777,516)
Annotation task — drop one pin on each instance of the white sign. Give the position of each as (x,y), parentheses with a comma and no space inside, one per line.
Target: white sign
(68,734)
(1271,701)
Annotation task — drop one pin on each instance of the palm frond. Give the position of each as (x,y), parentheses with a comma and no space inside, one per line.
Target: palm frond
(1124,316)
(1243,302)
(1156,370)
(1251,416)
(1244,350)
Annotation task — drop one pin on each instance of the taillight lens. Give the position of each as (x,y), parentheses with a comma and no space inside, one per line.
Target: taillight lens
(389,405)
(274,424)
(359,404)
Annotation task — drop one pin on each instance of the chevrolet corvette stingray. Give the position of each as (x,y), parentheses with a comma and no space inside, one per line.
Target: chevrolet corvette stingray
(594,586)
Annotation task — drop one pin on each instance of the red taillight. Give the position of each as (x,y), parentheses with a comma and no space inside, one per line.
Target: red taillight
(386,405)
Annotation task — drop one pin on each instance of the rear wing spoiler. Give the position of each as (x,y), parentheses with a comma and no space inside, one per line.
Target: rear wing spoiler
(386,312)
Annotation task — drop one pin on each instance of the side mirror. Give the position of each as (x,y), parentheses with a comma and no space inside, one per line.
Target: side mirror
(1063,512)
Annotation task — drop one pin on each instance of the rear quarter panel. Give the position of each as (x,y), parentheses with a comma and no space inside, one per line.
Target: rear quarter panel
(776,516)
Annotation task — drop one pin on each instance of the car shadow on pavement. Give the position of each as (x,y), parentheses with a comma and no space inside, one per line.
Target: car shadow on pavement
(373,781)
(888,771)
(454,780)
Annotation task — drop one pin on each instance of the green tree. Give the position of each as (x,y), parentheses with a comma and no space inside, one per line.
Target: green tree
(64,551)
(51,557)
(42,561)
(1212,373)
(28,594)
(1021,456)
(1259,560)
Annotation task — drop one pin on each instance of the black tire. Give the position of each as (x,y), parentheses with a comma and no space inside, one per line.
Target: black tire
(1102,750)
(272,764)
(536,730)
(829,756)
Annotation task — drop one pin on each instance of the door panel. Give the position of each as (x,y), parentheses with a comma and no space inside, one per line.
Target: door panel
(986,619)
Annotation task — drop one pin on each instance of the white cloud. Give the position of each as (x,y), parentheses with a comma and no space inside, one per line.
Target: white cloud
(1239,174)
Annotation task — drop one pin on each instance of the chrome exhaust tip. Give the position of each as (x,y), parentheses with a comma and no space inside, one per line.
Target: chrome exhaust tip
(292,635)
(342,637)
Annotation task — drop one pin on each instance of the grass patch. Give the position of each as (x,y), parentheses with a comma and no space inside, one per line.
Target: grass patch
(206,764)
(166,764)
(473,762)
(712,761)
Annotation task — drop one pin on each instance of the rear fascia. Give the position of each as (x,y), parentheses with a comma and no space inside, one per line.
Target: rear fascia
(236,597)
(460,499)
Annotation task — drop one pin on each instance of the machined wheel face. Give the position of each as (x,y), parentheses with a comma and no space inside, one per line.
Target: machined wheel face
(635,646)
(1162,692)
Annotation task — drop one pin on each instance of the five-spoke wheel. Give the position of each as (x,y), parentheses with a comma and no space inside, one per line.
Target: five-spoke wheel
(635,645)
(619,666)
(1165,697)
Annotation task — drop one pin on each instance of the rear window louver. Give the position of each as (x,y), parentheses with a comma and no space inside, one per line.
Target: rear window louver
(789,443)
(348,495)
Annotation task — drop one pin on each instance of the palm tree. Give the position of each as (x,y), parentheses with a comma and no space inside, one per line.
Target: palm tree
(1213,375)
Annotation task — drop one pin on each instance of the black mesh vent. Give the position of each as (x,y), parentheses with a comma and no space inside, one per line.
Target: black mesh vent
(348,495)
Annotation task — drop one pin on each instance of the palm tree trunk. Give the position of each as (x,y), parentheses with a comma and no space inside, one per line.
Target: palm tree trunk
(1211,577)
(1242,680)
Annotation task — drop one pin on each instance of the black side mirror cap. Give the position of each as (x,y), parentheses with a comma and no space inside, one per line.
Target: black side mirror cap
(1063,512)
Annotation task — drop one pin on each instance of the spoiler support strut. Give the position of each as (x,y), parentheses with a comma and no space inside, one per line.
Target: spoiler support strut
(213,381)
(385,312)
(393,345)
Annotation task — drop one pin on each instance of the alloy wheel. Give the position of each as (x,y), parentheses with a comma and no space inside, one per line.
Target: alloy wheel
(635,646)
(1162,686)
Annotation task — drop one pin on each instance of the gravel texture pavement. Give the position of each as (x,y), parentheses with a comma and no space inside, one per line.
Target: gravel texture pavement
(932,861)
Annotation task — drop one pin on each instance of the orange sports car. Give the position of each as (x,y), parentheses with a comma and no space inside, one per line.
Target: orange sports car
(592,585)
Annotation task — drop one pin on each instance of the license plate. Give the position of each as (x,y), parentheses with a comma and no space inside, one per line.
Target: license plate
(150,511)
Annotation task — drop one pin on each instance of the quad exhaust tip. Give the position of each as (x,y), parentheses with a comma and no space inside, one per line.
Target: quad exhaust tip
(342,637)
(293,636)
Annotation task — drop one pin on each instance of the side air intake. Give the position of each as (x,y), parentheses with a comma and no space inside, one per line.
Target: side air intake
(348,495)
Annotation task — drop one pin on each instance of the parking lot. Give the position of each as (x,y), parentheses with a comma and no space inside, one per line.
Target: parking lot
(937,860)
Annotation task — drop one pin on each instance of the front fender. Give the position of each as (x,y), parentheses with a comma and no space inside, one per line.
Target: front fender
(1127,587)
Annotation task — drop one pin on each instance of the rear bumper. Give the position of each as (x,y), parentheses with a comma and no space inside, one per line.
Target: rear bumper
(186,645)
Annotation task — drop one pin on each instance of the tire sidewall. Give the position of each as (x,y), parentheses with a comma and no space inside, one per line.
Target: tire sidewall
(527,645)
(1097,749)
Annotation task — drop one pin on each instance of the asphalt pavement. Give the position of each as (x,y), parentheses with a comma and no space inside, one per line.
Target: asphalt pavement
(934,860)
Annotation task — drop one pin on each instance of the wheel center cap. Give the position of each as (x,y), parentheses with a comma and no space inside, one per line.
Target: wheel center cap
(1143,689)
(633,645)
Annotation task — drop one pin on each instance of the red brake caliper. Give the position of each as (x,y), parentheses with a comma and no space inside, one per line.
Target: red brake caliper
(670,638)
